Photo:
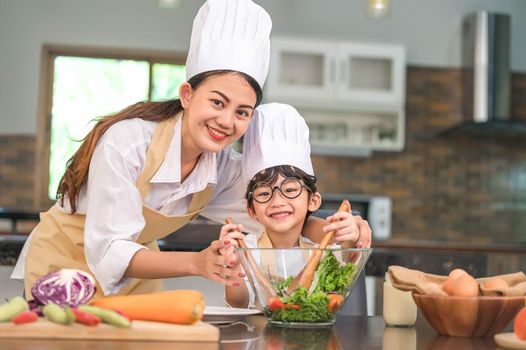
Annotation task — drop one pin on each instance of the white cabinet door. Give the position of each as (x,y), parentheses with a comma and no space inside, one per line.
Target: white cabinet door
(371,74)
(351,94)
(301,68)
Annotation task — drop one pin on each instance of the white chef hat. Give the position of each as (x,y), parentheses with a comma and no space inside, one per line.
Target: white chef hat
(233,35)
(277,135)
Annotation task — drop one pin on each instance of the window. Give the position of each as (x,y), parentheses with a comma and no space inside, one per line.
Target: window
(82,85)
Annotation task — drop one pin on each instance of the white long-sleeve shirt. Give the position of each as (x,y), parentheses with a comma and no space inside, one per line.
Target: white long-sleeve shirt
(113,205)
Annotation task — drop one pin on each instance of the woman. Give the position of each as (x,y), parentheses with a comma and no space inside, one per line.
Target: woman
(149,169)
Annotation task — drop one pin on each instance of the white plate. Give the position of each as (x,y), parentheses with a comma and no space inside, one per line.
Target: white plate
(226,315)
(509,341)
(229,311)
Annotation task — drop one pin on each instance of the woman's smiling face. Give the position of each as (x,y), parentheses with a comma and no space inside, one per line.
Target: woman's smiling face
(216,113)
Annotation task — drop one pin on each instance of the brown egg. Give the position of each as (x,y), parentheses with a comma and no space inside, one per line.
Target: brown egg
(447,286)
(465,286)
(496,283)
(456,273)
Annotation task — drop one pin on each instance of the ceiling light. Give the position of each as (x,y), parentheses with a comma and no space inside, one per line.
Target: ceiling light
(377,8)
(170,4)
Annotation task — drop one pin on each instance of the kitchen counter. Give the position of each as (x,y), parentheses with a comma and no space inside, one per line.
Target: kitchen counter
(350,332)
(452,246)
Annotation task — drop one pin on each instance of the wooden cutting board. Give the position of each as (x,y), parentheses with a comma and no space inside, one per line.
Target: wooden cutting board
(509,341)
(140,330)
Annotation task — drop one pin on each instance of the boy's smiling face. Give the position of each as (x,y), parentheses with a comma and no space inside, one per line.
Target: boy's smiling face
(281,215)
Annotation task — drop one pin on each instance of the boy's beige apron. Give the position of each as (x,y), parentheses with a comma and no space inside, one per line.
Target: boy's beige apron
(268,257)
(58,240)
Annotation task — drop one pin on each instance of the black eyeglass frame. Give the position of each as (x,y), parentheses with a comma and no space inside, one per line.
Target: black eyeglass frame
(273,189)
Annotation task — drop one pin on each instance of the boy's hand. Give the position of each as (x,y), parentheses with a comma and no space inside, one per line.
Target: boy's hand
(351,230)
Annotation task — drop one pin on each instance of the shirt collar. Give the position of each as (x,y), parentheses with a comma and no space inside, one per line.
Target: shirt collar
(170,169)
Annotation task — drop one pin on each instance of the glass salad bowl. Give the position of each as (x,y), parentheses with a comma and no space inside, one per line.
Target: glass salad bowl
(301,287)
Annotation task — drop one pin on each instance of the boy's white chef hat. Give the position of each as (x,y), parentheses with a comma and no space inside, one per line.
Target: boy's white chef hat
(277,135)
(233,35)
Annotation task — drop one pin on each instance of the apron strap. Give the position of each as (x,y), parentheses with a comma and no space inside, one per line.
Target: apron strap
(161,139)
(200,199)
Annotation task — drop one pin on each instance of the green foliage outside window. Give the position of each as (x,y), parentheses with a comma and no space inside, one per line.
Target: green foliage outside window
(85,89)
(166,81)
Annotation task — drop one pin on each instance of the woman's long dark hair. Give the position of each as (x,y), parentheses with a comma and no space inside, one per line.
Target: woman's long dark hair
(77,167)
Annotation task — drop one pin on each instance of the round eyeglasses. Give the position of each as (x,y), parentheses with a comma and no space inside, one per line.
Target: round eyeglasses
(290,188)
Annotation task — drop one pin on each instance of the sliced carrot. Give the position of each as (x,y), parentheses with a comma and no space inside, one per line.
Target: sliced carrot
(335,301)
(174,306)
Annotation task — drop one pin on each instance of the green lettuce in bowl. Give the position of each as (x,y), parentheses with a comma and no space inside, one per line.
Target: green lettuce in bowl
(316,306)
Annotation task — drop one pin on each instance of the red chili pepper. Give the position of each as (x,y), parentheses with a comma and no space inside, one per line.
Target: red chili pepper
(85,317)
(25,317)
(123,314)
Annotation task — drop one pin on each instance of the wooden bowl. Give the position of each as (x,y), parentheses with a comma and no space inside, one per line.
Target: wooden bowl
(481,316)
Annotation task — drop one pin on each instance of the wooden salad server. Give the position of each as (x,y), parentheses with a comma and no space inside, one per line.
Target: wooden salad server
(258,275)
(304,278)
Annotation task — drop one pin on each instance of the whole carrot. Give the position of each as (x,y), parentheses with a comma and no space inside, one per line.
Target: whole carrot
(173,306)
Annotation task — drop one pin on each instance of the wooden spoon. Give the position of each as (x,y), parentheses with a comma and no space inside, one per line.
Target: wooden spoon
(267,289)
(304,278)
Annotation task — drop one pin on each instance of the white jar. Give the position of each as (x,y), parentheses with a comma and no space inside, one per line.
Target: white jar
(399,306)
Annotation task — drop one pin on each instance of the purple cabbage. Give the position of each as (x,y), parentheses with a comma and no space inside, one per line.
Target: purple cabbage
(36,306)
(66,287)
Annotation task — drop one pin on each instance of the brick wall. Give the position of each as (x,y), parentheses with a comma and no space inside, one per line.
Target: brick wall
(17,170)
(456,187)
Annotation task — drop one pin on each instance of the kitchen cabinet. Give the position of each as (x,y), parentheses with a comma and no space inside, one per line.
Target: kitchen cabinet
(340,72)
(353,132)
(371,73)
(352,94)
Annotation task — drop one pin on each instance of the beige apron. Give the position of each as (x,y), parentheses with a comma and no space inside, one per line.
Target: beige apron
(268,257)
(265,242)
(58,240)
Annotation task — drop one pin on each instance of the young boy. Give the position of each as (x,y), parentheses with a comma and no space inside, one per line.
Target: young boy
(281,191)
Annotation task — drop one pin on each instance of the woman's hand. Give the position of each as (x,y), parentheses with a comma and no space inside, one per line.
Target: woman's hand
(219,261)
(211,264)
(351,230)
